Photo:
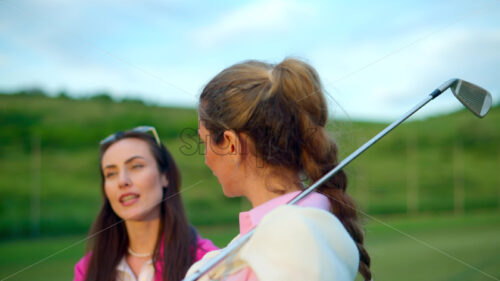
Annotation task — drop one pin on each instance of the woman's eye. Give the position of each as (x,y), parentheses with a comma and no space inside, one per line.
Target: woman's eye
(137,166)
(109,175)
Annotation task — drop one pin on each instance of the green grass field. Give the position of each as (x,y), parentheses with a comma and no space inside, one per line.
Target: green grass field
(420,153)
(427,247)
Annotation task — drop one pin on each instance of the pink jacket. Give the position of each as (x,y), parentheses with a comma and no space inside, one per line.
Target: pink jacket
(203,246)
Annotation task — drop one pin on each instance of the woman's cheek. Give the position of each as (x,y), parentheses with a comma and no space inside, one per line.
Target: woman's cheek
(113,200)
(108,193)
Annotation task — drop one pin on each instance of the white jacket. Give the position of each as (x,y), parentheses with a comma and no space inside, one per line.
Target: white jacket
(291,243)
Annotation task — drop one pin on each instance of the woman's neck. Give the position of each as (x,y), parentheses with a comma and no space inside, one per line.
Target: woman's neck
(143,235)
(260,189)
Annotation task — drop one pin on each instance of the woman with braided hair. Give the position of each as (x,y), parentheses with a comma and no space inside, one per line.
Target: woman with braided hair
(263,126)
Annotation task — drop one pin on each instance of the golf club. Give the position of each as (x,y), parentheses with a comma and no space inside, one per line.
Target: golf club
(475,98)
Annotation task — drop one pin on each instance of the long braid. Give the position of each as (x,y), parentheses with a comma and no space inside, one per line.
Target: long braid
(319,157)
(283,109)
(299,83)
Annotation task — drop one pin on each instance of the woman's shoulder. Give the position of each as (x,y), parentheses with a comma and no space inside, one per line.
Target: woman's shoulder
(203,246)
(300,240)
(81,267)
(303,221)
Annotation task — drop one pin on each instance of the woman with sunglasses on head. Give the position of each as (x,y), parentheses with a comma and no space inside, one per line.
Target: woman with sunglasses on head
(141,231)
(263,126)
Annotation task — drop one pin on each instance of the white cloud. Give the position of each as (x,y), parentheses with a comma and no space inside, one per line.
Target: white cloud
(398,81)
(97,46)
(256,17)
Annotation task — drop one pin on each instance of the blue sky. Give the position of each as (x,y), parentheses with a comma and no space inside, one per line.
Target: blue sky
(376,58)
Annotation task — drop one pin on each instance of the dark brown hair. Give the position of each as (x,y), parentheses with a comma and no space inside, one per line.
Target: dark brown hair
(109,236)
(284,108)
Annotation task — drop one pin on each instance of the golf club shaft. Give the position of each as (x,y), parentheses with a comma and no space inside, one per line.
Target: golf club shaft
(358,151)
(242,240)
(372,141)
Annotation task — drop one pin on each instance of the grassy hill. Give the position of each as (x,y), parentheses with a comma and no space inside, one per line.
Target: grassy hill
(49,181)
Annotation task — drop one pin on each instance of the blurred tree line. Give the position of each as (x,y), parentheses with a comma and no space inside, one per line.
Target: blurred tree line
(49,180)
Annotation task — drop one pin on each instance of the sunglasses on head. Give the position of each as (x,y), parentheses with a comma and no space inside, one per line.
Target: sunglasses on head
(140,129)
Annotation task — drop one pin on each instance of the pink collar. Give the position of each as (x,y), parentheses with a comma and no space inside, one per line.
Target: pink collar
(252,218)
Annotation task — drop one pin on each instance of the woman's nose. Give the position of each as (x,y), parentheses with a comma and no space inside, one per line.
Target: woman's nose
(124,180)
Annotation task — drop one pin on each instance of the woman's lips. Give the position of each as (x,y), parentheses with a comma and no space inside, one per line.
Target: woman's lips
(128,199)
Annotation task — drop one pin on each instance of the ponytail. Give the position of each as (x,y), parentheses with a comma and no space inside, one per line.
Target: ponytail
(283,109)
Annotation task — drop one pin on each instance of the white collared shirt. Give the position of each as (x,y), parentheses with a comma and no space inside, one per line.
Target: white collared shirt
(125,273)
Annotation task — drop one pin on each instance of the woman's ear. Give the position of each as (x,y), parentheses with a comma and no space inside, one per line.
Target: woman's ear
(231,146)
(231,143)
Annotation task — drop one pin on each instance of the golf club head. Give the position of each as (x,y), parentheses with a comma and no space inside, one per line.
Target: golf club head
(475,98)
